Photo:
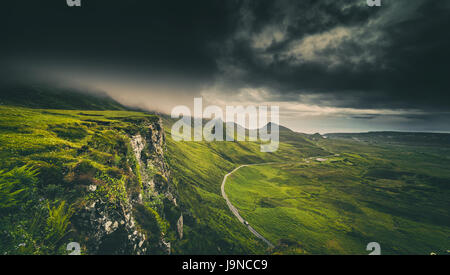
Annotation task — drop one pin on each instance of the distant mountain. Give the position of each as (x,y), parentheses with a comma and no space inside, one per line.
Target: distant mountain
(407,138)
(281,128)
(300,141)
(42,97)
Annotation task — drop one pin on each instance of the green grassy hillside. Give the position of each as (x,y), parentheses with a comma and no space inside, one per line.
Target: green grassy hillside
(396,196)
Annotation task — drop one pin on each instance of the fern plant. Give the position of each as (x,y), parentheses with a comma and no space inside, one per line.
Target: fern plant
(13,184)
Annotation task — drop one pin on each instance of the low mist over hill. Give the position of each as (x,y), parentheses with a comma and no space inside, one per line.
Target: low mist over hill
(46,97)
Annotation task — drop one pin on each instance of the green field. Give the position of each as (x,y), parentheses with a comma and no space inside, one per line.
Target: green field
(340,205)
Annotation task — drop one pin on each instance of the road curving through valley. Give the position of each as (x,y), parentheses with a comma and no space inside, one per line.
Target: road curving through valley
(234,209)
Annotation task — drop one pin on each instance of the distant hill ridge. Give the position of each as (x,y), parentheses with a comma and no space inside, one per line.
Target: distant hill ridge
(411,138)
(43,97)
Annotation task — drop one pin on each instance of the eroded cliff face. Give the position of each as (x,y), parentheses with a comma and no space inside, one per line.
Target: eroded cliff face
(146,219)
(111,230)
(148,148)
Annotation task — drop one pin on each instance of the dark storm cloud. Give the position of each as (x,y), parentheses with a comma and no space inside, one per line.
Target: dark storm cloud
(346,53)
(135,37)
(333,53)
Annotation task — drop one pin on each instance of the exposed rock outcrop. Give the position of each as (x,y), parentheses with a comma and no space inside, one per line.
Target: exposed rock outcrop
(149,147)
(149,150)
(180,227)
(145,217)
(110,229)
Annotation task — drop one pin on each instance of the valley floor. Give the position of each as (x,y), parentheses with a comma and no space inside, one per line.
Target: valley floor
(337,205)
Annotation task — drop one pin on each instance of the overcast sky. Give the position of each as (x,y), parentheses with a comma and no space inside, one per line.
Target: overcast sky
(330,65)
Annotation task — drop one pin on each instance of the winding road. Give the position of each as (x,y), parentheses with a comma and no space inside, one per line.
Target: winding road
(236,212)
(234,209)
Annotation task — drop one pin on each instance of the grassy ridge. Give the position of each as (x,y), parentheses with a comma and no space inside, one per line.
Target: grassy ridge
(30,135)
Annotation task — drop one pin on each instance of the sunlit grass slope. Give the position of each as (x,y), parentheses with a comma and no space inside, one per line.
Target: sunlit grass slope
(28,136)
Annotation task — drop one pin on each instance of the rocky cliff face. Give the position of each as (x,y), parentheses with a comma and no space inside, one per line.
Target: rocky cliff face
(147,218)
(111,230)
(149,148)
